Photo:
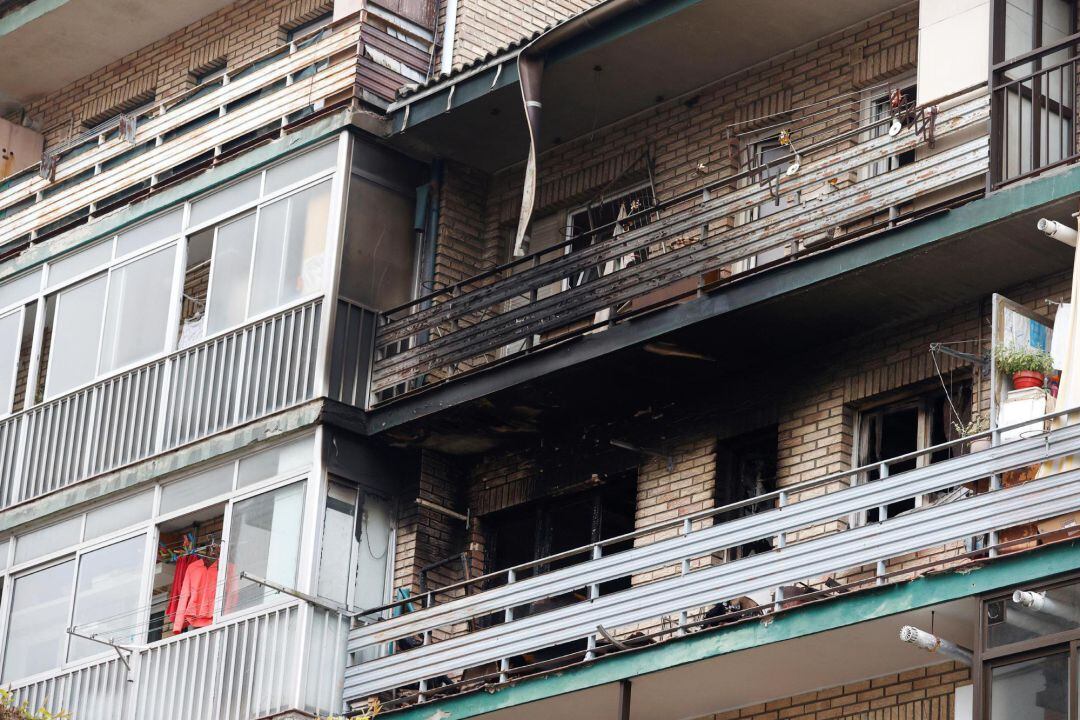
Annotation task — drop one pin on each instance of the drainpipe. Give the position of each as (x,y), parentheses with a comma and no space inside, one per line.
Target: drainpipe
(430,238)
(449,30)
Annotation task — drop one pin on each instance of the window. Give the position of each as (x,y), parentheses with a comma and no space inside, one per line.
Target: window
(109,321)
(545,527)
(107,595)
(770,158)
(11,332)
(309,27)
(746,468)
(40,604)
(879,108)
(608,214)
(1029,652)
(115,303)
(70,574)
(268,258)
(355,554)
(96,591)
(913,422)
(264,541)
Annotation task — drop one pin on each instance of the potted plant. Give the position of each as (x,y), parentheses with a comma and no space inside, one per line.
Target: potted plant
(1027,366)
(974,426)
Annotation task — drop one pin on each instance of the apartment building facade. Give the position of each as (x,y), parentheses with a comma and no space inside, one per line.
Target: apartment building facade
(459,358)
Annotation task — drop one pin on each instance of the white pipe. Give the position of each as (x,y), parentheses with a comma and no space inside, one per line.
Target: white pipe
(1056,230)
(932,643)
(449,31)
(1038,602)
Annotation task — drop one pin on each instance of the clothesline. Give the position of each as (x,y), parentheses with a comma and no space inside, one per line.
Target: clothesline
(134,630)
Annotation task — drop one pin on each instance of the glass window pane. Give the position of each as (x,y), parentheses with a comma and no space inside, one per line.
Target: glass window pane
(335,560)
(137,312)
(10,332)
(380,246)
(4,550)
(20,288)
(302,266)
(229,272)
(43,541)
(224,200)
(286,458)
(289,252)
(264,541)
(196,488)
(107,596)
(269,248)
(75,336)
(149,232)
(376,530)
(1009,622)
(75,264)
(39,618)
(121,514)
(300,167)
(1031,690)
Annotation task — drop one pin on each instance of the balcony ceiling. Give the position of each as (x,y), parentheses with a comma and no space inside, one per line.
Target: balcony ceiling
(665,49)
(48,44)
(767,672)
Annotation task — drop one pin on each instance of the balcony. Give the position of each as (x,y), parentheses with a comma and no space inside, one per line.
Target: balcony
(363,57)
(561,610)
(288,658)
(830,192)
(223,382)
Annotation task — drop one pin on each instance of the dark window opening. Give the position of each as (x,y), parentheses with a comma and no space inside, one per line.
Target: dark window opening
(906,426)
(745,469)
(606,218)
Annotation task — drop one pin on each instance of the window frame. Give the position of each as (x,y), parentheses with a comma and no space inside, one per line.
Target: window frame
(304,474)
(916,396)
(755,144)
(870,98)
(622,193)
(44,290)
(986,659)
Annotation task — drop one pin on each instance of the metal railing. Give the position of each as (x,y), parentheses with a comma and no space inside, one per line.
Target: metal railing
(1034,112)
(192,129)
(709,234)
(193,393)
(525,617)
(252,667)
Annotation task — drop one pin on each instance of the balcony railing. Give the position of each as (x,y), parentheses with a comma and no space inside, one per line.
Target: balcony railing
(253,667)
(535,620)
(223,382)
(364,56)
(701,238)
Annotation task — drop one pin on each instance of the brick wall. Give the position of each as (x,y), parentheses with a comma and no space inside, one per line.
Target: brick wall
(484,26)
(238,33)
(680,135)
(425,536)
(922,693)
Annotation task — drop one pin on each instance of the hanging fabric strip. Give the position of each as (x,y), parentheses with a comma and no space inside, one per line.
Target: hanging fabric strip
(531,72)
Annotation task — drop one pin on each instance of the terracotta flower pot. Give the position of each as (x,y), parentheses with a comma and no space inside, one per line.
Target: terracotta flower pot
(1027,379)
(979,445)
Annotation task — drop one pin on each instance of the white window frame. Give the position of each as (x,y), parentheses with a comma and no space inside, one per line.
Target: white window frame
(44,290)
(757,144)
(307,474)
(871,97)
